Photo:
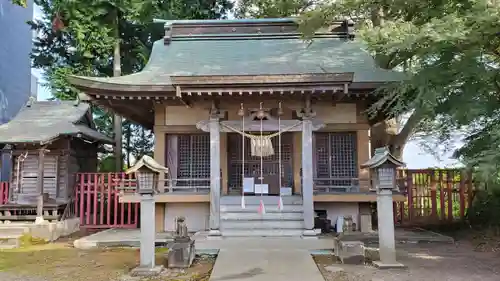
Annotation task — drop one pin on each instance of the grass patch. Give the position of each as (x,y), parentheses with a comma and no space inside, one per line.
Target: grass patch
(61,262)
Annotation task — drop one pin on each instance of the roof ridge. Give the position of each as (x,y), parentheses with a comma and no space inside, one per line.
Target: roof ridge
(262,36)
(245,28)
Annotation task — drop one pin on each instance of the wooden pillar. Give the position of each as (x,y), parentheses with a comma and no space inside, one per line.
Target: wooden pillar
(159,153)
(297,162)
(363,147)
(307,174)
(39,182)
(215,172)
(159,156)
(223,162)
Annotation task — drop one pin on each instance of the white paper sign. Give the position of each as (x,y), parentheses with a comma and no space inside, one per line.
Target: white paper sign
(248,185)
(261,189)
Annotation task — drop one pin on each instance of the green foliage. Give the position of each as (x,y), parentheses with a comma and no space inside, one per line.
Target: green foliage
(450,50)
(485,208)
(272,8)
(78,38)
(27,240)
(22,3)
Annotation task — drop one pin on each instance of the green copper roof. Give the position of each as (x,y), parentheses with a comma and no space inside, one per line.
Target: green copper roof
(267,56)
(232,53)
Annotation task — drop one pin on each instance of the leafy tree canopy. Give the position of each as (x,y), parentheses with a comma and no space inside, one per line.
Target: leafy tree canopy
(22,3)
(450,50)
(79,37)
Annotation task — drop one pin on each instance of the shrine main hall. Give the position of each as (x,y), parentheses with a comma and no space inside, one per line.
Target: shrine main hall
(261,130)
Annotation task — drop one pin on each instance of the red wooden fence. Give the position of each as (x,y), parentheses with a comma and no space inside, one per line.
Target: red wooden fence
(4,192)
(434,196)
(97,202)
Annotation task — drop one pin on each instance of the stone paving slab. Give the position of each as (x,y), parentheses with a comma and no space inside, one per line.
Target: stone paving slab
(265,265)
(276,243)
(117,238)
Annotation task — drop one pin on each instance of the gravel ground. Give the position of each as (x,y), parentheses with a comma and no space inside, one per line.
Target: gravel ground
(13,277)
(429,262)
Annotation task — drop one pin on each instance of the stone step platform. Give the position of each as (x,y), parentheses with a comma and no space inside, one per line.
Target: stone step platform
(255,209)
(255,200)
(255,216)
(262,232)
(10,241)
(10,235)
(262,224)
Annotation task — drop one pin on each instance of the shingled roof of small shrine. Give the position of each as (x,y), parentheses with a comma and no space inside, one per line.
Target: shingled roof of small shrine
(245,54)
(45,121)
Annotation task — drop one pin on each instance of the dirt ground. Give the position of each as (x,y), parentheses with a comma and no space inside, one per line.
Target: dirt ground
(61,262)
(462,261)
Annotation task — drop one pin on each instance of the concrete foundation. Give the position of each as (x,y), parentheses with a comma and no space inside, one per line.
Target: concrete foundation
(48,231)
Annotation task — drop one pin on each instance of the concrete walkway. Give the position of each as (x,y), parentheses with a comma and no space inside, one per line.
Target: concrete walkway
(265,259)
(265,265)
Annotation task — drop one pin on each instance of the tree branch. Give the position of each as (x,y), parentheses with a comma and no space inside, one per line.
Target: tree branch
(404,135)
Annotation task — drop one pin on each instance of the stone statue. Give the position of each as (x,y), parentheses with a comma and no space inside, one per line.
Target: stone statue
(181,231)
(181,251)
(348,224)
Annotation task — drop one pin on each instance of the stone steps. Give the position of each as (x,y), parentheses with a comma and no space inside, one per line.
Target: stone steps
(262,232)
(248,222)
(255,216)
(255,200)
(254,208)
(262,224)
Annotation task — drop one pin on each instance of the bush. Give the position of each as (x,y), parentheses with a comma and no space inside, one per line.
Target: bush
(485,209)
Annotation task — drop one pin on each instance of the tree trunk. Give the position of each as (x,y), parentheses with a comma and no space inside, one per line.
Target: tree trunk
(386,134)
(117,120)
(128,136)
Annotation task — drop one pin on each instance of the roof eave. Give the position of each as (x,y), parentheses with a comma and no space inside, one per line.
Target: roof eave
(90,83)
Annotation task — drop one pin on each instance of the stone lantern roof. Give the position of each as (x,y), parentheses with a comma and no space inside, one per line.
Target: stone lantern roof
(148,163)
(382,155)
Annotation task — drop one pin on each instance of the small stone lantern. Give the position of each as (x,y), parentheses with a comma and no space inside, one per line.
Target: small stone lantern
(383,177)
(146,173)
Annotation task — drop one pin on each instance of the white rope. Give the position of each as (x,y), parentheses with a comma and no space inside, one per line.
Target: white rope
(280,203)
(262,207)
(261,152)
(242,159)
(261,146)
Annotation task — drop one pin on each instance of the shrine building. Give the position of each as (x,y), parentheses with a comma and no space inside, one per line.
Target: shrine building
(247,116)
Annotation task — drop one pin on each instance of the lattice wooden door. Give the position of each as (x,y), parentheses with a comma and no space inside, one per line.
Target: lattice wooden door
(252,164)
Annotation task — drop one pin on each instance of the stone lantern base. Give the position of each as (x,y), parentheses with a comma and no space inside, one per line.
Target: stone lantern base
(146,271)
(382,265)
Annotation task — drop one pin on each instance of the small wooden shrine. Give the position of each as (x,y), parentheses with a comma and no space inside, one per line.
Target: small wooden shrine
(45,146)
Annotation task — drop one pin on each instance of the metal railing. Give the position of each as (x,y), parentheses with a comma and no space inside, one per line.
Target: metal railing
(187,185)
(171,186)
(336,185)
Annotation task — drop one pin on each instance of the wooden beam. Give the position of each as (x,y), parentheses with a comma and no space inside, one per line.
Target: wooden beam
(57,177)
(39,182)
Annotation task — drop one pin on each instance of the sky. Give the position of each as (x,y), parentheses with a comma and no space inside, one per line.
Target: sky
(414,155)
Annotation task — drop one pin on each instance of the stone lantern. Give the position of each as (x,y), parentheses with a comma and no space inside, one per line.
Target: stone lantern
(383,177)
(146,173)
